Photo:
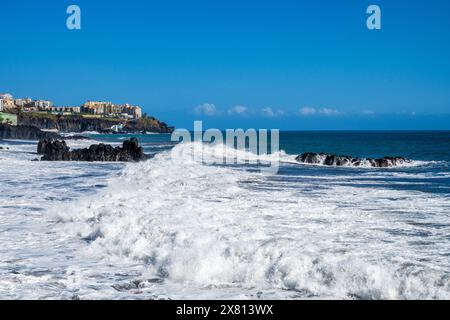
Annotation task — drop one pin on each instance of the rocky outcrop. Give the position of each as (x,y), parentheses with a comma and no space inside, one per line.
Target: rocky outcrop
(334,160)
(57,150)
(24,132)
(81,124)
(53,150)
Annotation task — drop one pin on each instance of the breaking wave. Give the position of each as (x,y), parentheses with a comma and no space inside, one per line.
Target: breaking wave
(219,227)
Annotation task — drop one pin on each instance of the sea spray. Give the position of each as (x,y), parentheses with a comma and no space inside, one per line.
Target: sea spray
(242,147)
(203,226)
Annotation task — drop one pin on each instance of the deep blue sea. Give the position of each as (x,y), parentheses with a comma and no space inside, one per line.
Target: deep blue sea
(178,227)
(430,147)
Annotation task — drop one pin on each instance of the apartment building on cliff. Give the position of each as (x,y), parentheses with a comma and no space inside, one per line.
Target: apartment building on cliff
(21,103)
(10,104)
(99,108)
(7,102)
(110,109)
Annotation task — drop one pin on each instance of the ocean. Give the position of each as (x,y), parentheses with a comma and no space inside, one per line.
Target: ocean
(177,228)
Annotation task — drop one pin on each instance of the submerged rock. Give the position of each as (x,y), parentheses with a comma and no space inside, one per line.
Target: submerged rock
(334,160)
(56,150)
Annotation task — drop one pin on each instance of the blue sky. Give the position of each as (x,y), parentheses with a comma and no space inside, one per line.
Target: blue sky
(296,65)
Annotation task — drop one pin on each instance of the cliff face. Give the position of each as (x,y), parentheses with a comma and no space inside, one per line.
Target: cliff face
(24,133)
(80,124)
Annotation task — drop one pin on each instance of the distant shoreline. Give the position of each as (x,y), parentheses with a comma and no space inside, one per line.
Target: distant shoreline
(78,124)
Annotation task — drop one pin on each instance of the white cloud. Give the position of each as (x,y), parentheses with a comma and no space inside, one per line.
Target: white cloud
(329,112)
(239,110)
(307,111)
(270,113)
(206,109)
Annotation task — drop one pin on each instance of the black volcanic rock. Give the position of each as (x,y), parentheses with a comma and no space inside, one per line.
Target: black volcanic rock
(43,144)
(25,132)
(334,160)
(55,150)
(76,123)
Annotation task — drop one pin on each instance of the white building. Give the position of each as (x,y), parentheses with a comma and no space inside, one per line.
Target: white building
(22,102)
(117,127)
(132,111)
(42,104)
(5,101)
(5,96)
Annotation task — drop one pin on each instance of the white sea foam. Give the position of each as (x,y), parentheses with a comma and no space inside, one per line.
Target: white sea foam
(223,154)
(71,134)
(36,261)
(175,227)
(198,228)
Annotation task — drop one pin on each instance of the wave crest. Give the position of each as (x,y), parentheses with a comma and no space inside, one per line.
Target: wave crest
(216,227)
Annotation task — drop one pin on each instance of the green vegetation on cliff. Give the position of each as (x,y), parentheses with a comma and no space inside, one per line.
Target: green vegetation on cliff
(8,118)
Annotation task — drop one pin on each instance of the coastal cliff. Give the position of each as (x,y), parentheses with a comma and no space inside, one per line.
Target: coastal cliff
(74,123)
(24,132)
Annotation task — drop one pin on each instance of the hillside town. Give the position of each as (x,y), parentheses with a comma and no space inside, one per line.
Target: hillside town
(10,107)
